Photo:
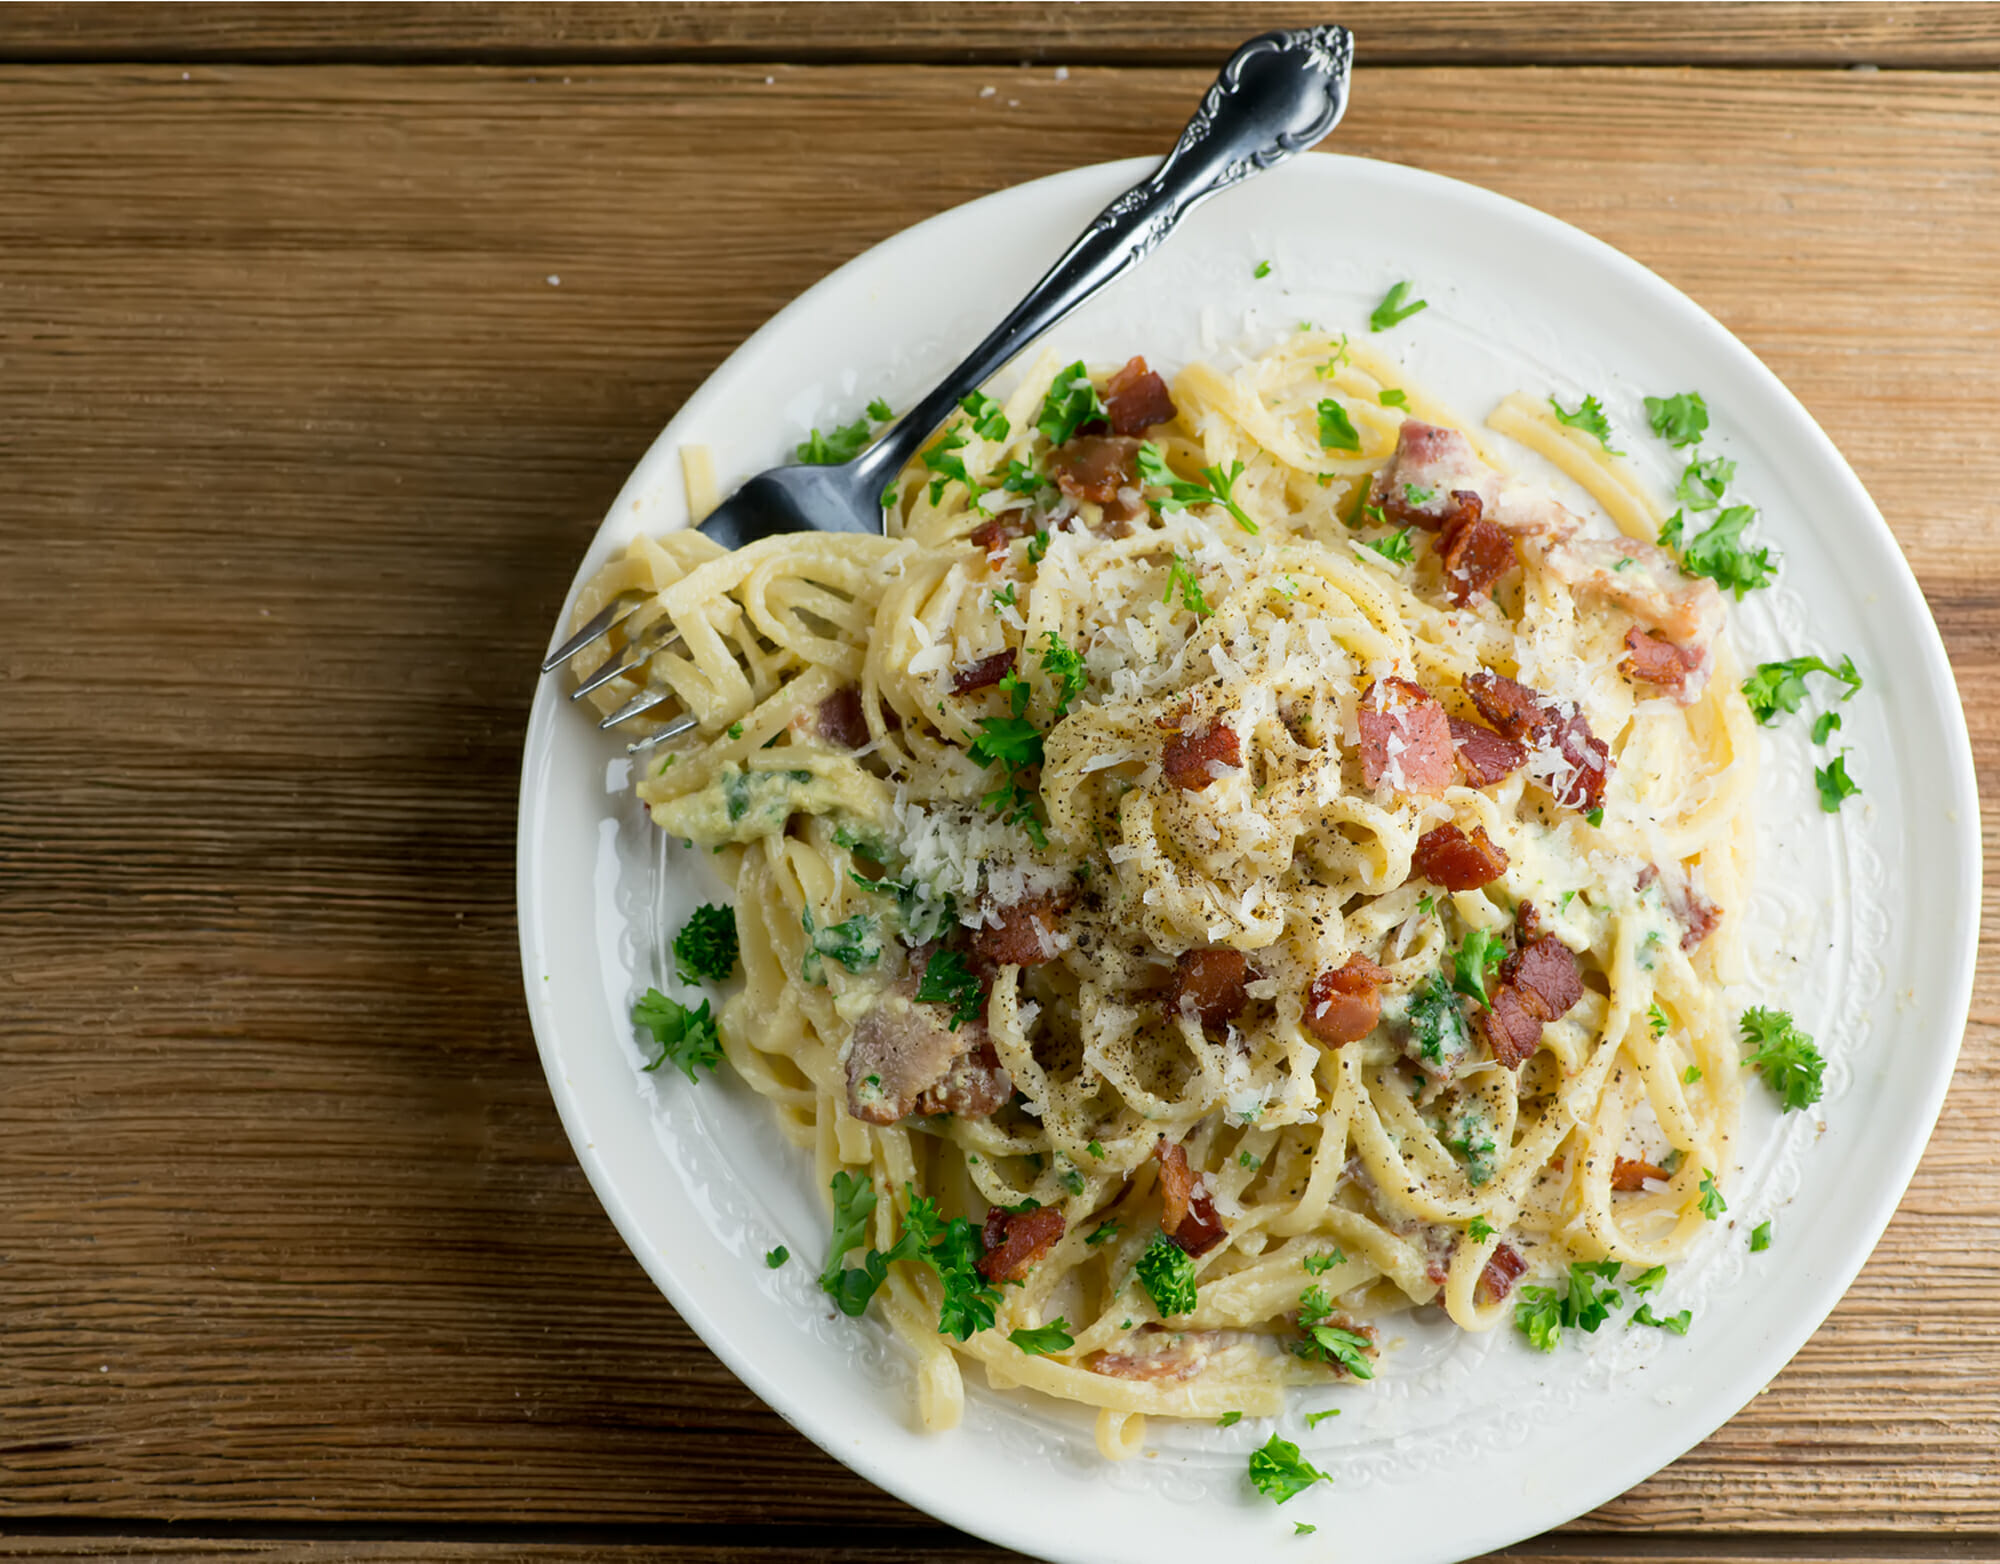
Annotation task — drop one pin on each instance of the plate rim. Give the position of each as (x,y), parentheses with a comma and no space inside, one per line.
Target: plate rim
(1778,1348)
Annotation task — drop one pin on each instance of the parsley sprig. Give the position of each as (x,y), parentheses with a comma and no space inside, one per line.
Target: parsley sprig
(1835,785)
(1392,311)
(1482,951)
(950,1248)
(705,948)
(1181,577)
(1218,489)
(1336,429)
(1280,1472)
(1784,1056)
(1680,420)
(1071,401)
(1166,1271)
(1720,553)
(1589,417)
(1044,1339)
(1781,686)
(1396,548)
(1330,1343)
(687,1037)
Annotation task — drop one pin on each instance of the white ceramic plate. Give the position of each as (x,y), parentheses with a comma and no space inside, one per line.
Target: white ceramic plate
(1863,923)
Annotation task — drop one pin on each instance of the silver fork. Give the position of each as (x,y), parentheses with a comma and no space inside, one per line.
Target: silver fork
(1279,94)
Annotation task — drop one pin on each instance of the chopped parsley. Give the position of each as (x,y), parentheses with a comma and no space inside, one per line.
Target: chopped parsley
(947,980)
(1712,1203)
(1437,1021)
(1538,1314)
(853,1203)
(1481,1229)
(1474,1142)
(1006,597)
(1482,951)
(880,411)
(1656,1018)
(1263,270)
(1217,490)
(1064,666)
(1044,1339)
(1392,398)
(1095,1148)
(1304,1528)
(1412,495)
(1166,1271)
(1008,741)
(1690,1075)
(777,1257)
(1702,483)
(1023,479)
(944,460)
(988,422)
(1181,577)
(854,942)
(1677,1323)
(735,730)
(1245,1160)
(1595,816)
(1229,1420)
(1760,1237)
(687,1037)
(1679,420)
(1396,548)
(705,948)
(1280,1472)
(1648,1281)
(1719,553)
(1589,1303)
(1781,686)
(951,1249)
(1336,429)
(1103,1233)
(1320,1264)
(1784,1056)
(830,450)
(1038,546)
(1825,726)
(1314,1419)
(1330,1343)
(1835,785)
(1072,401)
(1392,311)
(1589,417)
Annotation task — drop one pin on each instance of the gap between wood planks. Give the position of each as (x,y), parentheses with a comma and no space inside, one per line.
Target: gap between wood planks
(1779,33)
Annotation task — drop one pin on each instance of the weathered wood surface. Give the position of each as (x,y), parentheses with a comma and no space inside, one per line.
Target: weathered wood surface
(298,446)
(1937,36)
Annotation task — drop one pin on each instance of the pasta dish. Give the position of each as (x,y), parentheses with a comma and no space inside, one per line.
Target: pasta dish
(1232,863)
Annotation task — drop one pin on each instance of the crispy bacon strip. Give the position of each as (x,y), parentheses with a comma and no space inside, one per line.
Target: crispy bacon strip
(1135,399)
(1025,935)
(1484,756)
(1446,856)
(1537,984)
(1187,1213)
(1344,1004)
(994,535)
(1015,1240)
(978,675)
(1533,720)
(1503,1269)
(1211,982)
(1653,660)
(1405,738)
(973,1086)
(906,1059)
(1628,1174)
(1475,552)
(1095,466)
(840,719)
(1431,477)
(1190,759)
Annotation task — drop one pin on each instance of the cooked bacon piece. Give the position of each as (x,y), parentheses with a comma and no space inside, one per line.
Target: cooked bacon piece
(1025,935)
(1475,553)
(1187,1214)
(996,534)
(973,1087)
(1095,466)
(1537,984)
(1644,580)
(1213,983)
(840,719)
(1551,727)
(1193,760)
(978,675)
(1628,1174)
(1343,1004)
(1434,478)
(1136,399)
(1446,856)
(1484,756)
(1015,1240)
(1405,738)
(1655,661)
(1503,1269)
(1697,914)
(905,1055)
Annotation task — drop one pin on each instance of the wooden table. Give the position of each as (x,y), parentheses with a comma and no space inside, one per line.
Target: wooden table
(326,336)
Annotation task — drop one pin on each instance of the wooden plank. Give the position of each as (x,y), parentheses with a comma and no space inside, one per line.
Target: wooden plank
(301,445)
(1944,36)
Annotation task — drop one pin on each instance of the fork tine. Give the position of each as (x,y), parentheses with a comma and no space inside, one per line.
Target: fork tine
(599,626)
(684,723)
(644,701)
(612,668)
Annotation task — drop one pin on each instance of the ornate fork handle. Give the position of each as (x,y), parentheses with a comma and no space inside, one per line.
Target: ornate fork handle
(1279,93)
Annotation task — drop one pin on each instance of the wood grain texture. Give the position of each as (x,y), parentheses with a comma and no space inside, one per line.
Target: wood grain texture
(301,444)
(1938,36)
